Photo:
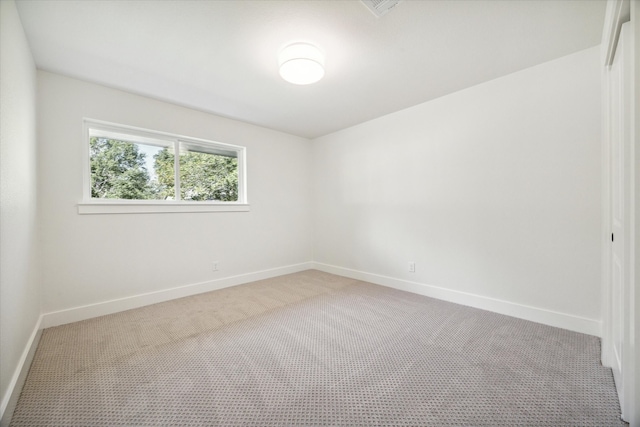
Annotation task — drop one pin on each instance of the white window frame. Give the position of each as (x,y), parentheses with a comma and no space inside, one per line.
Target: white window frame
(90,205)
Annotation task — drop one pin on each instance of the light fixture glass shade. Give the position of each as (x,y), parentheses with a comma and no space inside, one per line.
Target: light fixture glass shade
(301,63)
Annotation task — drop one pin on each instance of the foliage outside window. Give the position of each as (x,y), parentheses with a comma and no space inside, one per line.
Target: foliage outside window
(127,164)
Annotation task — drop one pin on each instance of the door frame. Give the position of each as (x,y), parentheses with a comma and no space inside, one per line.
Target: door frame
(618,12)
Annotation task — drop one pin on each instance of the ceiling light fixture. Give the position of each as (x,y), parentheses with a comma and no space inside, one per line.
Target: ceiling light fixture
(301,63)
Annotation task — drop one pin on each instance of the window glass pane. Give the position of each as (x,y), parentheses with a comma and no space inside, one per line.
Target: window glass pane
(164,178)
(207,174)
(126,170)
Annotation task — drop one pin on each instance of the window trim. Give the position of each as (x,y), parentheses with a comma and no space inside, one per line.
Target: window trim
(90,205)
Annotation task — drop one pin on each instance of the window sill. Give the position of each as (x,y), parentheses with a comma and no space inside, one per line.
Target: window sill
(92,208)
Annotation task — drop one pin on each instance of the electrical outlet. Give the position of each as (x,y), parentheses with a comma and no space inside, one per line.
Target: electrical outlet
(412,267)
(214,266)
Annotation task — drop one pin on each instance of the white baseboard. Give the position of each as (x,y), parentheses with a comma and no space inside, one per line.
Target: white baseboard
(10,399)
(534,314)
(76,314)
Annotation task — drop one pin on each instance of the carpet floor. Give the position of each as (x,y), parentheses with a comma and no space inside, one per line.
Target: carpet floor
(311,349)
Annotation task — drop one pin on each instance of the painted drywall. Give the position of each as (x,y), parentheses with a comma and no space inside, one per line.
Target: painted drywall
(19,268)
(634,395)
(90,259)
(492,191)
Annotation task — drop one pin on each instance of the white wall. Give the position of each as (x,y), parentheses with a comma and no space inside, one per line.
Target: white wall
(634,417)
(492,191)
(19,270)
(90,259)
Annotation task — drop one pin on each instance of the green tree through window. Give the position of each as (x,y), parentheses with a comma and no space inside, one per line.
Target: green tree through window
(119,171)
(203,176)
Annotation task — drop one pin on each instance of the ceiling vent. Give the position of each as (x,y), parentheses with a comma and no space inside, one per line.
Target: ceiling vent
(380,7)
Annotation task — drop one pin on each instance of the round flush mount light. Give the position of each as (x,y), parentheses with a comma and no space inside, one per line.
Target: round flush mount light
(301,63)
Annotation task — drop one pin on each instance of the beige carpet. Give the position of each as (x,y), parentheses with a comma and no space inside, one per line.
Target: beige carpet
(315,349)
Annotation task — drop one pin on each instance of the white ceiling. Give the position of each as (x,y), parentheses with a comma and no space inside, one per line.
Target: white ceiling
(221,56)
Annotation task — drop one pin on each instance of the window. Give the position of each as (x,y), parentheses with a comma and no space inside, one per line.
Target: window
(130,170)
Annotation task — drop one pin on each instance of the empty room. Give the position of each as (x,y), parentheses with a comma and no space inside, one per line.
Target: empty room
(319,213)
